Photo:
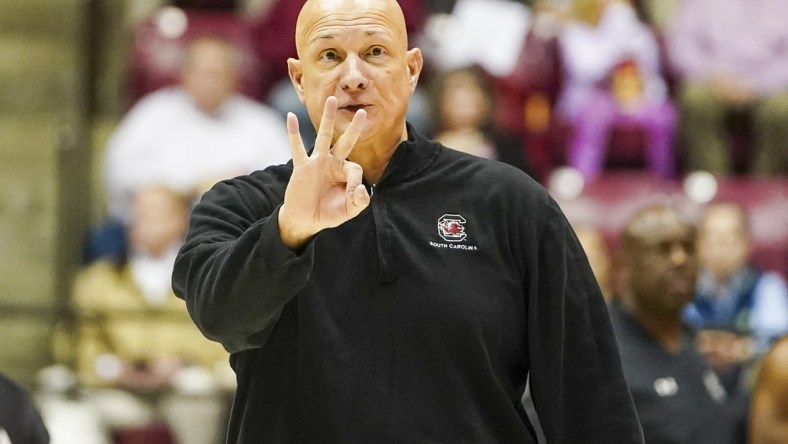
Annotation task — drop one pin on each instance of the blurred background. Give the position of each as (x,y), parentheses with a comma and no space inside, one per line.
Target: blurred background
(611,105)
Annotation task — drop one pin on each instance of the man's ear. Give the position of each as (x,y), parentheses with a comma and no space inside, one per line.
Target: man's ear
(415,62)
(296,77)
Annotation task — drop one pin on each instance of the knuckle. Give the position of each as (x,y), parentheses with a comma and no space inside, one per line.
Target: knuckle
(351,166)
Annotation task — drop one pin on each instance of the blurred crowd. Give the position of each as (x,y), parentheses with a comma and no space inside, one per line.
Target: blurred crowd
(660,87)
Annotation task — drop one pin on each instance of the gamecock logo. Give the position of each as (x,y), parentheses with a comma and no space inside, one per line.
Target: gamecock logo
(451,227)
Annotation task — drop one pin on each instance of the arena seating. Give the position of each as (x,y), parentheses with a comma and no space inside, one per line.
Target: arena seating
(609,201)
(158,43)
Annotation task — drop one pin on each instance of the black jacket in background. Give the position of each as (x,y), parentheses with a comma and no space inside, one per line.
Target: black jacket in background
(678,397)
(417,321)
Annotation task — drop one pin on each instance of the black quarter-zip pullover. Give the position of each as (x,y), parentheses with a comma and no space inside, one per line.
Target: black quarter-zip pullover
(417,321)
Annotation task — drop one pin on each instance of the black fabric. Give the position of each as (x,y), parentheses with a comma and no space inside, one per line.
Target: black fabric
(696,413)
(19,418)
(418,321)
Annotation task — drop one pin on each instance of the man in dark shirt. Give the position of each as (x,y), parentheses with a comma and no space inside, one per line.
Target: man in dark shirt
(678,397)
(383,288)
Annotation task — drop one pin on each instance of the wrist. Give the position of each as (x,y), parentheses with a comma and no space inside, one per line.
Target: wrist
(292,235)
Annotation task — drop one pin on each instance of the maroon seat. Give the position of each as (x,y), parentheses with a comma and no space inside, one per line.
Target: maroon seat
(226,5)
(156,49)
(526,98)
(609,201)
(154,434)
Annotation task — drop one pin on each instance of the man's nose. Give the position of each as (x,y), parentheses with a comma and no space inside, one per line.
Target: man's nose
(680,254)
(353,76)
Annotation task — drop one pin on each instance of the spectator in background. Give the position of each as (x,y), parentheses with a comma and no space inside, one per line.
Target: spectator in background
(740,308)
(677,395)
(139,355)
(769,414)
(462,104)
(733,56)
(190,136)
(20,422)
(613,77)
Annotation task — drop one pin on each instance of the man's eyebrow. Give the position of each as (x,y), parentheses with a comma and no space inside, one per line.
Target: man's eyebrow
(326,36)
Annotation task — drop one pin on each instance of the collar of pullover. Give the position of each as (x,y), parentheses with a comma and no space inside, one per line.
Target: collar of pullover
(411,158)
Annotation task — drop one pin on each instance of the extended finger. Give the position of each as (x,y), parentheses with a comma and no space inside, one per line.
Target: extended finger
(296,143)
(325,133)
(348,140)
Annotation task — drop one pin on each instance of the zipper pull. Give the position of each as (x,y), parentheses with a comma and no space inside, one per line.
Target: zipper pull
(371,191)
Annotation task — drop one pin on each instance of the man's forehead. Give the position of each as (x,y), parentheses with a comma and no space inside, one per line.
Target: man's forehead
(382,16)
(657,226)
(727,216)
(328,6)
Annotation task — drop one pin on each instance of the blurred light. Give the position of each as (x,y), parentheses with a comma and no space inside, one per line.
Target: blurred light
(566,183)
(56,379)
(700,187)
(171,22)
(194,380)
(108,367)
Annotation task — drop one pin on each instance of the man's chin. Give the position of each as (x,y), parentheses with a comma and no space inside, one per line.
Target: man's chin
(342,125)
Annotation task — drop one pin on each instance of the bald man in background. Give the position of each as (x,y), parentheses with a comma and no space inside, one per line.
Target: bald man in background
(383,288)
(679,398)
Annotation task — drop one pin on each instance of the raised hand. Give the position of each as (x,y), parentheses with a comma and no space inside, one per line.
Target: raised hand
(325,189)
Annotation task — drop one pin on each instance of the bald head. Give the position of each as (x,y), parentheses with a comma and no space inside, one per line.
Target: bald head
(723,239)
(659,261)
(316,12)
(210,71)
(733,216)
(650,225)
(357,51)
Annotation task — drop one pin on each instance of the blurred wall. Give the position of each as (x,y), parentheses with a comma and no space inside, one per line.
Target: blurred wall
(40,118)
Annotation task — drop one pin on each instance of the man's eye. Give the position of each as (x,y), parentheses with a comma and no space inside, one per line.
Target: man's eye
(376,51)
(328,55)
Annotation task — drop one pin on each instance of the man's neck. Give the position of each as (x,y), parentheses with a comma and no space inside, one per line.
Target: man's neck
(664,327)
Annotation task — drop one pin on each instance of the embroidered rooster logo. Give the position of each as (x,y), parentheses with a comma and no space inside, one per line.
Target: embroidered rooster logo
(451,227)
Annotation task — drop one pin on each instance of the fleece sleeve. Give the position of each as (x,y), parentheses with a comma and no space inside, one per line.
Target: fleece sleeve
(233,270)
(577,383)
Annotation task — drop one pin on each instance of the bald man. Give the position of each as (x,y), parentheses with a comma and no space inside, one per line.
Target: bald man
(679,398)
(383,288)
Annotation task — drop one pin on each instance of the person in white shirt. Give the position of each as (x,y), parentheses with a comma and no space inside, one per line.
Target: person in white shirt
(189,136)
